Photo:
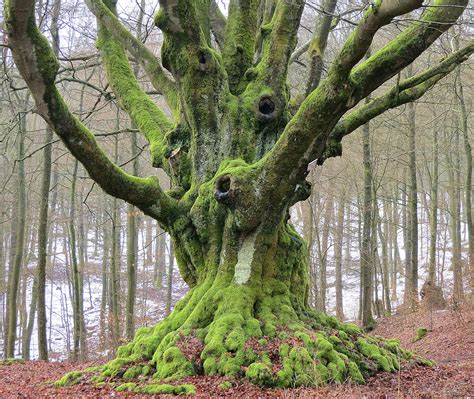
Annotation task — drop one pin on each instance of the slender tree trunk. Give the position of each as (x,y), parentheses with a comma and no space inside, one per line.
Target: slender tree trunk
(132,248)
(411,274)
(19,241)
(169,284)
(149,244)
(323,253)
(77,294)
(26,339)
(384,263)
(115,268)
(338,255)
(42,247)
(160,263)
(105,282)
(455,219)
(434,211)
(366,256)
(308,233)
(469,185)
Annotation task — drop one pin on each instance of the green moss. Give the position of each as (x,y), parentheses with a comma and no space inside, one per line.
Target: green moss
(374,352)
(354,373)
(162,389)
(299,369)
(173,365)
(128,386)
(98,379)
(147,370)
(323,344)
(11,360)
(93,369)
(420,334)
(225,385)
(351,329)
(133,372)
(69,379)
(116,367)
(260,374)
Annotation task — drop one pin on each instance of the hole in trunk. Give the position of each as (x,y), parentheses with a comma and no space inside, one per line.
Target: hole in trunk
(266,106)
(202,58)
(222,192)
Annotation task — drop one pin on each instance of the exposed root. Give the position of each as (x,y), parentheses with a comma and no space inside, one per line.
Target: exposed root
(230,330)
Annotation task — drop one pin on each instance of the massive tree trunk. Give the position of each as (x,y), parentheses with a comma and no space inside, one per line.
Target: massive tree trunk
(237,159)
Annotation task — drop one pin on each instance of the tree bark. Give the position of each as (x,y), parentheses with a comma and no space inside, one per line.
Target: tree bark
(366,256)
(18,242)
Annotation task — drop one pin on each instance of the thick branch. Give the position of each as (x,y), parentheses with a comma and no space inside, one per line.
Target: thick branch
(406,47)
(317,47)
(279,41)
(379,14)
(406,91)
(150,63)
(143,112)
(240,39)
(38,66)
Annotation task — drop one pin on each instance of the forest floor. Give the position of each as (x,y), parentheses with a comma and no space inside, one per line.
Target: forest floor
(449,342)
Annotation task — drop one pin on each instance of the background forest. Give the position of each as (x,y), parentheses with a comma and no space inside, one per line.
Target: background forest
(399,197)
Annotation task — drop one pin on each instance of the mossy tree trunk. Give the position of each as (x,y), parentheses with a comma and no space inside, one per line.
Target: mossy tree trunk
(238,159)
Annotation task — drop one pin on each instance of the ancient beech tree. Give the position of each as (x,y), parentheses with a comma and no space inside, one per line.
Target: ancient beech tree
(237,155)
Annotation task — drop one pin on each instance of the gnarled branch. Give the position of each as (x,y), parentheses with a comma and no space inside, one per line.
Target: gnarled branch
(406,91)
(143,112)
(150,63)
